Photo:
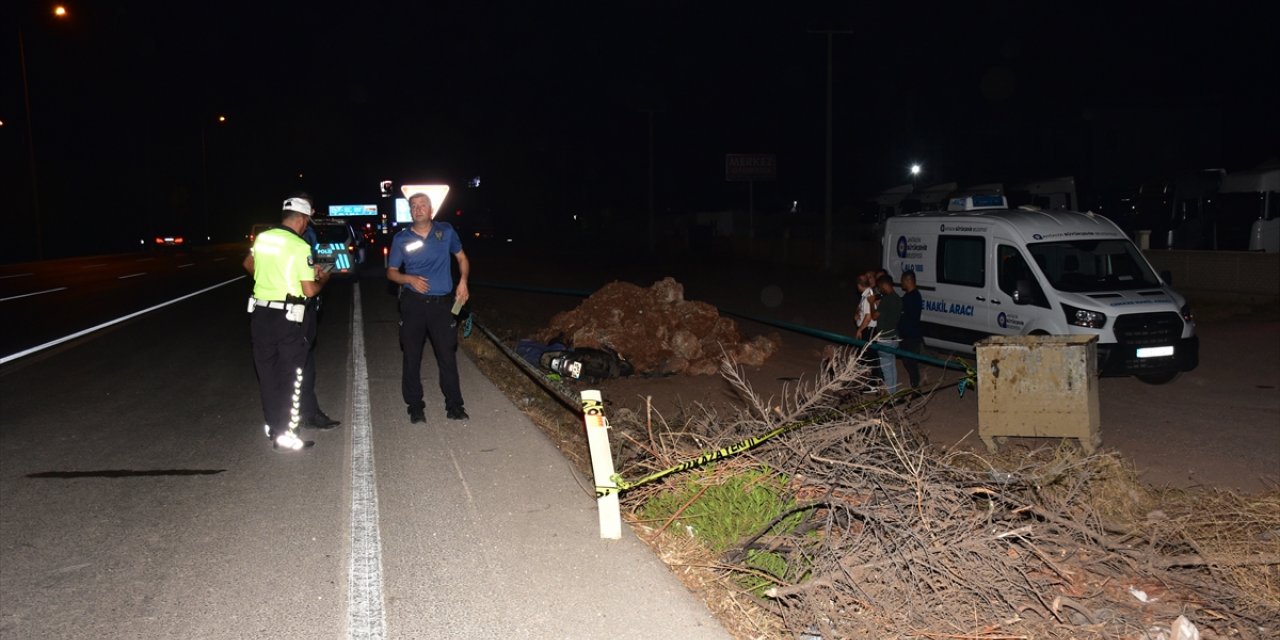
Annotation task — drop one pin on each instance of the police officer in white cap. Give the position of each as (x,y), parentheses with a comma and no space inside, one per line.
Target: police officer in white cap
(284,276)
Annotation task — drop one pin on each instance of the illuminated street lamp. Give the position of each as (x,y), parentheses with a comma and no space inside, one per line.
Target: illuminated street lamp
(59,12)
(915,172)
(204,168)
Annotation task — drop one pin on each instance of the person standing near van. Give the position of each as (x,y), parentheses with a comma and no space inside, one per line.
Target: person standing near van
(424,251)
(910,330)
(888,314)
(865,319)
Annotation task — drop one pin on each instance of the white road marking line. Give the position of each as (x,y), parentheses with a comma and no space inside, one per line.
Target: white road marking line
(132,275)
(53,343)
(36,293)
(16,275)
(184,266)
(366,618)
(466,488)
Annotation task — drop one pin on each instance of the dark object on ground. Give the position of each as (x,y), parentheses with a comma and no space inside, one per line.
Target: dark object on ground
(586,364)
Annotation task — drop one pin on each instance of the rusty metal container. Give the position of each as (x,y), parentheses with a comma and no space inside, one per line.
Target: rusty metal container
(1039,387)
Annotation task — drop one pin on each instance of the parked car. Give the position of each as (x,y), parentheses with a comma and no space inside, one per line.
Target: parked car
(338,244)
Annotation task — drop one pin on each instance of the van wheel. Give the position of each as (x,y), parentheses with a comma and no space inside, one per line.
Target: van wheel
(1159,378)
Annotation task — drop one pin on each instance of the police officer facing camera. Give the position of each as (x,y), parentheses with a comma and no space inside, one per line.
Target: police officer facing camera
(285,277)
(426,295)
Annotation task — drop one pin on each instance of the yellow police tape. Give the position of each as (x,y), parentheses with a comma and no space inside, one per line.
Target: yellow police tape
(597,412)
(720,454)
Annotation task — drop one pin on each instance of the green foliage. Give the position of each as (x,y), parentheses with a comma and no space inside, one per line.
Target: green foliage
(730,509)
(766,562)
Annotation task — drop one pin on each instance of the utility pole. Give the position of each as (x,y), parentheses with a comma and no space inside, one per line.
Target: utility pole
(826,217)
(31,150)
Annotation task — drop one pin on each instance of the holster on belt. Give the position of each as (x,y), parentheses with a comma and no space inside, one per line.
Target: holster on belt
(295,308)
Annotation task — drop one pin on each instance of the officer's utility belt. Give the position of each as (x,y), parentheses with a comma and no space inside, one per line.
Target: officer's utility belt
(294,307)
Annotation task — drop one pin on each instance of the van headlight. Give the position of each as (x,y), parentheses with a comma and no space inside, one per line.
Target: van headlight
(1187,316)
(1084,318)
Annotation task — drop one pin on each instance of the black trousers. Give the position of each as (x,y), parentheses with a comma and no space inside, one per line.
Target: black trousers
(914,345)
(310,327)
(421,318)
(279,355)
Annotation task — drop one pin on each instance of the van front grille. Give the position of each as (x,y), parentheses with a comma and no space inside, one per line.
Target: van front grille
(1139,329)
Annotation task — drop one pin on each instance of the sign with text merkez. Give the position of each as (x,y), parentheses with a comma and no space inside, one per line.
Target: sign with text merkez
(347,210)
(750,167)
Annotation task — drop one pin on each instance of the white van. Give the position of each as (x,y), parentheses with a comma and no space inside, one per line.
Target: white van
(984,269)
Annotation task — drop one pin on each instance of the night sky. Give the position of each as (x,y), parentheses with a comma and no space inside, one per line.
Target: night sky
(551,107)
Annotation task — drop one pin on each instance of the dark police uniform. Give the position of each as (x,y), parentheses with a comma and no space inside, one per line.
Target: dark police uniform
(310,406)
(428,315)
(282,262)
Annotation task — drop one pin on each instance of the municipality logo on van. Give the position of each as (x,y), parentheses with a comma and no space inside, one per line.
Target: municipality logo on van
(902,246)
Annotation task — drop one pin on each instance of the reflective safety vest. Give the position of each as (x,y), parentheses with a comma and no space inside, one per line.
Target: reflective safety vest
(281,263)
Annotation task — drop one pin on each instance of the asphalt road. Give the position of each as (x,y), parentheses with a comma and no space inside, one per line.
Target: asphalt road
(44,301)
(139,498)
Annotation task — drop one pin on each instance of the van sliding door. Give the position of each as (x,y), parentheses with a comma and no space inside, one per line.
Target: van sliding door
(959,311)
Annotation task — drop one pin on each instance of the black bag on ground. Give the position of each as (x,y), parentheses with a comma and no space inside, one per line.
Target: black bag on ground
(586,364)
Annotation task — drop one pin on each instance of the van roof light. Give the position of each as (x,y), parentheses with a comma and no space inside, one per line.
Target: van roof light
(977,203)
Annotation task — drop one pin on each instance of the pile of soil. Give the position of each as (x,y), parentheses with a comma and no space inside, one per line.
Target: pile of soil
(657,330)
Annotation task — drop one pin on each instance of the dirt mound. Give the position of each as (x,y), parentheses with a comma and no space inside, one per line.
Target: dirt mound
(657,330)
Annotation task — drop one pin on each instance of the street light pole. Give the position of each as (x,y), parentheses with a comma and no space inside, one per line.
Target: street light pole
(31,149)
(826,216)
(204,170)
(59,12)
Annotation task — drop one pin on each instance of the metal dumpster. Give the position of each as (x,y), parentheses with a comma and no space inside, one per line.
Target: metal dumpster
(1038,386)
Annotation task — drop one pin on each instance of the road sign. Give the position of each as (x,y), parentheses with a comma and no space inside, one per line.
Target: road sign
(750,167)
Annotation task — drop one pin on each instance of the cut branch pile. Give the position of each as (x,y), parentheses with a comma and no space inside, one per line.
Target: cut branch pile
(903,540)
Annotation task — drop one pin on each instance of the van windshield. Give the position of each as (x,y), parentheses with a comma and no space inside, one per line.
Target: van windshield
(1088,266)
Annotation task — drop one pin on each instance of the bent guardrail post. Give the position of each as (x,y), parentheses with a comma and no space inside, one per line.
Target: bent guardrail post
(602,464)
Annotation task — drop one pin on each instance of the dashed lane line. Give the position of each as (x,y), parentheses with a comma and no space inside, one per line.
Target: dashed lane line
(33,293)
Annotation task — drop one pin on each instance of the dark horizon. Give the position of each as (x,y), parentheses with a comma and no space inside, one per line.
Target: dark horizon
(551,107)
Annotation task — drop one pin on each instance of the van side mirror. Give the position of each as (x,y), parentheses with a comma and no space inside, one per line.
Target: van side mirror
(1022,293)
(1167,276)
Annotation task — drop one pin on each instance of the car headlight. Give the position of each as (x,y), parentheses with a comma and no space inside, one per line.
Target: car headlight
(1187,316)
(1084,317)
